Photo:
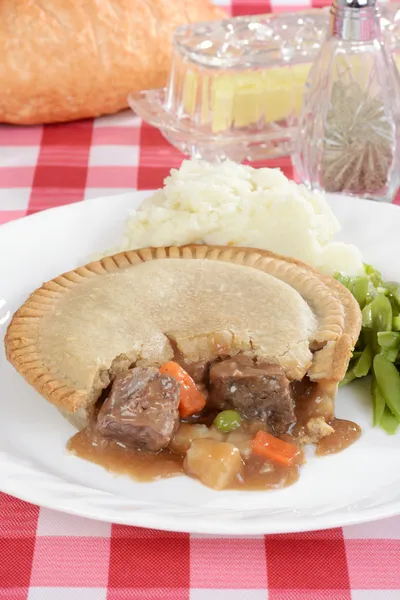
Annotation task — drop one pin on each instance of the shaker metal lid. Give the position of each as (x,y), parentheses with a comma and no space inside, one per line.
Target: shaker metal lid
(354,20)
(354,3)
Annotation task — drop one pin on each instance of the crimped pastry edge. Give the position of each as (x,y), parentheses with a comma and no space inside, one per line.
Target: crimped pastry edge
(340,329)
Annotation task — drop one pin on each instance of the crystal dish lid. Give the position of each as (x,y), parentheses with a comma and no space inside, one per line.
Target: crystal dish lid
(252,42)
(235,86)
(264,40)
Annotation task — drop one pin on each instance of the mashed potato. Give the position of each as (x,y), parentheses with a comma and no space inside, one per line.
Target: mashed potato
(232,204)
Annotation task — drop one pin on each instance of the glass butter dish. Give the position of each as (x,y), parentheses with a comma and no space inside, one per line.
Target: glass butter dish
(235,86)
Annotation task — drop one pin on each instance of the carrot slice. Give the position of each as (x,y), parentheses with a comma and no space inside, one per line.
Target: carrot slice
(191,400)
(275,450)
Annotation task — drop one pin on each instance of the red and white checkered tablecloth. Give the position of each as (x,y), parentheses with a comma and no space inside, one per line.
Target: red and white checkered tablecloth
(45,555)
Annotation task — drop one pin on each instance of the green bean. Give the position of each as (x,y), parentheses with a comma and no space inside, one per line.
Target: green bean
(360,290)
(344,280)
(391,285)
(395,305)
(388,380)
(391,355)
(395,292)
(389,339)
(381,314)
(227,420)
(370,270)
(382,290)
(378,344)
(367,316)
(348,378)
(378,402)
(374,275)
(370,297)
(363,364)
(389,422)
(369,337)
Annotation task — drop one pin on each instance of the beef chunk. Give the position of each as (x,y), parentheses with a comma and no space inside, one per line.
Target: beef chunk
(141,410)
(257,391)
(198,370)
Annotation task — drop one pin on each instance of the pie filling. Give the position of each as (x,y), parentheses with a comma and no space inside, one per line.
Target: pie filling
(138,427)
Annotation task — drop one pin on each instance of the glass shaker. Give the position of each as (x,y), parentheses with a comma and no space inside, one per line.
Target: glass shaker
(349,126)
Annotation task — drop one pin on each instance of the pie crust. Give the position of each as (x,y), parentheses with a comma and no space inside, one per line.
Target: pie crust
(73,334)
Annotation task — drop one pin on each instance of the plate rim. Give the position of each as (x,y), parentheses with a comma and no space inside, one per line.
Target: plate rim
(204,526)
(146,519)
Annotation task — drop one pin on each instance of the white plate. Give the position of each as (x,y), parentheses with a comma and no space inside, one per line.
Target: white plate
(360,484)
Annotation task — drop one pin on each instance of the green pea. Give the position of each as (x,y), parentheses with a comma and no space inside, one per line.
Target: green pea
(227,420)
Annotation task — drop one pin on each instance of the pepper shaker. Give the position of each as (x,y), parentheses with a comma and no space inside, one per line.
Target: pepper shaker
(349,126)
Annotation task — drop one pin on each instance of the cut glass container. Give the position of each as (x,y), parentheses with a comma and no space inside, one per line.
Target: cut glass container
(235,86)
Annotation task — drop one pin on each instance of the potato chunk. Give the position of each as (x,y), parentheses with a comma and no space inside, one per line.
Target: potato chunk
(242,440)
(185,435)
(215,434)
(216,464)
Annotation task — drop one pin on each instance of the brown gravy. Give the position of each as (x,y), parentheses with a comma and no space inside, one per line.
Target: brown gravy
(142,466)
(256,475)
(311,402)
(345,434)
(145,467)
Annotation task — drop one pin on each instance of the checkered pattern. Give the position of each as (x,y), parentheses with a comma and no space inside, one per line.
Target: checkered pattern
(52,556)
(46,555)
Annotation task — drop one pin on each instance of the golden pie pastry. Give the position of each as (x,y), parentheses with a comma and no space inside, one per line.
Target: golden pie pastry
(75,333)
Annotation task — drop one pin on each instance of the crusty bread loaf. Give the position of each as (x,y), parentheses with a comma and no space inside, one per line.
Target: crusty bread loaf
(62,60)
